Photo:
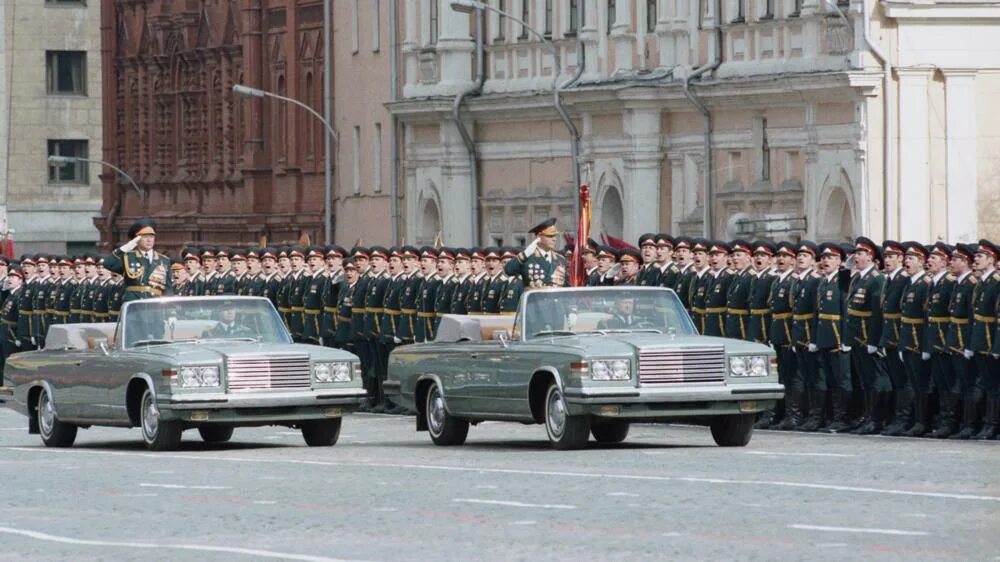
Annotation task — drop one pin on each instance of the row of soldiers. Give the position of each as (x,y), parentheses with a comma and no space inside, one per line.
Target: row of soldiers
(892,338)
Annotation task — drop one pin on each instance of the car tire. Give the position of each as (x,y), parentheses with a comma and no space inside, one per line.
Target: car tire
(732,431)
(54,432)
(444,428)
(565,432)
(610,431)
(215,433)
(321,433)
(158,435)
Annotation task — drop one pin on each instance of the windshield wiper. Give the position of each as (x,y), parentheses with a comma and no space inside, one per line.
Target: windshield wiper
(553,333)
(156,342)
(626,330)
(238,338)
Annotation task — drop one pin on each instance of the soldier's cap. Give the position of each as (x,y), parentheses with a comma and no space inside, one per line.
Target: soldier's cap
(359,252)
(683,242)
(65,260)
(429,252)
(335,251)
(296,251)
(283,251)
(78,260)
(269,252)
(463,254)
(832,249)
(176,264)
(191,253)
(27,259)
(648,239)
(808,247)
(718,247)
(238,255)
(700,245)
(964,251)
(942,249)
(988,248)
(16,272)
(395,252)
(223,252)
(664,239)
(42,258)
(545,228)
(350,264)
(916,249)
(90,259)
(867,245)
(893,247)
(567,249)
(763,247)
(446,254)
(315,252)
(786,248)
(741,246)
(491,253)
(253,253)
(142,227)
(378,252)
(477,254)
(508,252)
(629,255)
(3,260)
(208,252)
(411,252)
(590,247)
(607,252)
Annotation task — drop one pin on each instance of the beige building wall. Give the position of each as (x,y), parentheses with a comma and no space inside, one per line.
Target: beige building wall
(48,217)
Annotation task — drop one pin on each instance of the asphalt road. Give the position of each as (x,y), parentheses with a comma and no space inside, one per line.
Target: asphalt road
(385,493)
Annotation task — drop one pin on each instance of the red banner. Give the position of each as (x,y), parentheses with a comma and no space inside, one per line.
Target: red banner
(577,273)
(618,243)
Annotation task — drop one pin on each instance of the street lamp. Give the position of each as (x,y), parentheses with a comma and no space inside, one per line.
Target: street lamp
(248,92)
(53,159)
(469,6)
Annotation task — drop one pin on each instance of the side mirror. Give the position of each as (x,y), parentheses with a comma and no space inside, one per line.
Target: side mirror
(502,336)
(103,346)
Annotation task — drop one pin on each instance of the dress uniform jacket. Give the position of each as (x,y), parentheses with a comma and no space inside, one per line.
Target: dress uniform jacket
(90,288)
(359,296)
(760,310)
(682,286)
(195,285)
(408,321)
(938,318)
(443,298)
(271,287)
(426,313)
(494,293)
(62,301)
(330,317)
(738,305)
(460,296)
(864,309)
(804,311)
(392,309)
(298,285)
(984,307)
(913,308)
(281,297)
(649,275)
(102,292)
(831,311)
(668,275)
(375,305)
(345,335)
(144,277)
(697,297)
(76,300)
(716,294)
(312,307)
(537,270)
(25,310)
(39,308)
(511,297)
(781,302)
(474,300)
(892,296)
(960,312)
(116,296)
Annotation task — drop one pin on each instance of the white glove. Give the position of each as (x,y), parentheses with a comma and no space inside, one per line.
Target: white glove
(17,343)
(845,348)
(396,340)
(900,355)
(996,355)
(32,340)
(871,349)
(131,244)
(571,320)
(812,348)
(530,250)
(968,354)
(924,356)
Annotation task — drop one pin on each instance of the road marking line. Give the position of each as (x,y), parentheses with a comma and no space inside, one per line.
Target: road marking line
(514,504)
(777,454)
(182,487)
(623,494)
(525,472)
(264,502)
(858,530)
(153,545)
(830,544)
(13,429)
(385,509)
(528,522)
(486,486)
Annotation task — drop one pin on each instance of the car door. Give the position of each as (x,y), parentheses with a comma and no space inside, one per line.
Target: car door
(485,375)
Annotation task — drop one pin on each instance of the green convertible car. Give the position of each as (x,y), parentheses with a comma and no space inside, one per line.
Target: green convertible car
(170,364)
(584,361)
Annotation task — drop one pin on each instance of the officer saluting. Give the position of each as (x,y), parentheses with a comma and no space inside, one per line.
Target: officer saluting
(145,271)
(540,265)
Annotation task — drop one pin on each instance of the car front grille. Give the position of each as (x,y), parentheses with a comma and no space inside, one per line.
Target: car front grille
(268,372)
(702,364)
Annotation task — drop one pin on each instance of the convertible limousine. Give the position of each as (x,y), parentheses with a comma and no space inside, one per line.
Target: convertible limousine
(584,361)
(170,364)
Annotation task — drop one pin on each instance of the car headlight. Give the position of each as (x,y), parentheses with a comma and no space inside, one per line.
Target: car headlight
(610,370)
(339,371)
(748,366)
(199,376)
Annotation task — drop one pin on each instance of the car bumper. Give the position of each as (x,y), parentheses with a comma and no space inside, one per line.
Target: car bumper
(260,407)
(665,403)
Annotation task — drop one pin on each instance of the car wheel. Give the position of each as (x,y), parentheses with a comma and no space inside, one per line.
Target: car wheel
(610,431)
(321,433)
(565,431)
(158,435)
(215,433)
(54,432)
(444,428)
(732,431)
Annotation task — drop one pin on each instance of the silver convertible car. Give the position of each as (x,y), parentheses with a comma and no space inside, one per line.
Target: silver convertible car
(170,364)
(584,361)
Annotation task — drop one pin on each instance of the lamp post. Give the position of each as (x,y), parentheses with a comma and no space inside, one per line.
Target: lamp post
(74,159)
(469,6)
(247,91)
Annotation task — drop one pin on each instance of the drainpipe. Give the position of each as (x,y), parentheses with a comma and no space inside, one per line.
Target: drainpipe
(470,146)
(574,134)
(696,73)
(328,115)
(394,123)
(889,192)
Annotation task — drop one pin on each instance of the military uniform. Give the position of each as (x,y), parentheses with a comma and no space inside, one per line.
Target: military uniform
(832,355)
(804,301)
(716,295)
(959,327)
(981,341)
(9,311)
(913,343)
(25,312)
(539,268)
(863,332)
(936,334)
(737,325)
(511,297)
(780,303)
(144,274)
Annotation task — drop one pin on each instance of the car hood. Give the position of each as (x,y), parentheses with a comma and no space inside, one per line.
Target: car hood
(206,352)
(631,343)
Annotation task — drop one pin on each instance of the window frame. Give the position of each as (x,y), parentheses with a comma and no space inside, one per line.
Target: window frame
(652,13)
(612,14)
(52,71)
(526,18)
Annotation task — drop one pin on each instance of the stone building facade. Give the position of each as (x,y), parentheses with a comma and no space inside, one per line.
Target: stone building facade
(50,103)
(798,101)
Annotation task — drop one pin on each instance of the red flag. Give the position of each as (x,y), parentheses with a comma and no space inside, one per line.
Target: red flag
(578,274)
(618,243)
(8,247)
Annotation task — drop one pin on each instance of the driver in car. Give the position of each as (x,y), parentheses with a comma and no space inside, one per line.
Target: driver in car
(622,317)
(228,327)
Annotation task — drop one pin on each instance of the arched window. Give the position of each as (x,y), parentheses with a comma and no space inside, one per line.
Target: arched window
(307,121)
(612,213)
(280,112)
(430,222)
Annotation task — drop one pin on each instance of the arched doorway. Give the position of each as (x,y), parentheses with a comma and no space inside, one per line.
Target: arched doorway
(612,213)
(430,222)
(835,217)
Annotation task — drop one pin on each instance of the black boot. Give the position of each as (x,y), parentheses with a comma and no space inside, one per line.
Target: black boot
(871,424)
(919,427)
(793,412)
(901,417)
(817,400)
(989,430)
(865,419)
(970,414)
(765,421)
(948,425)
(841,402)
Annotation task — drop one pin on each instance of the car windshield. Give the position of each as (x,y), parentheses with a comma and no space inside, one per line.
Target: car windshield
(618,309)
(155,322)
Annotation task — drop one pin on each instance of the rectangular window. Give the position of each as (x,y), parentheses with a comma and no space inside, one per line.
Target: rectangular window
(797,10)
(768,10)
(548,18)
(740,12)
(66,72)
(376,27)
(501,21)
(357,160)
(354,26)
(434,17)
(526,18)
(66,2)
(574,23)
(651,16)
(378,158)
(72,172)
(612,13)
